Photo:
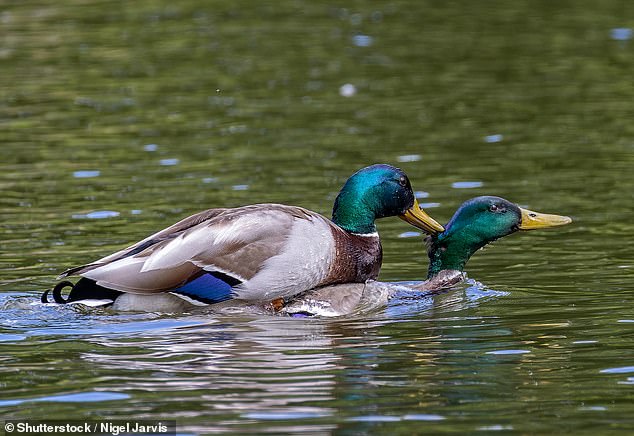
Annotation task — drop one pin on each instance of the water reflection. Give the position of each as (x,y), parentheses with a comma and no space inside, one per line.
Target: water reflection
(256,367)
(241,369)
(70,398)
(97,214)
(621,33)
(86,174)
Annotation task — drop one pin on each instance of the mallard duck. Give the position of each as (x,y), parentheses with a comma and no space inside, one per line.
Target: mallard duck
(256,252)
(476,223)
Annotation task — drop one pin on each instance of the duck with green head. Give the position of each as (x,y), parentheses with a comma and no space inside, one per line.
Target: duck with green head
(476,223)
(257,252)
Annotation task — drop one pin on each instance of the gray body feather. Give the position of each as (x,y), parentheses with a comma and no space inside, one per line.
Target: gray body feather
(274,250)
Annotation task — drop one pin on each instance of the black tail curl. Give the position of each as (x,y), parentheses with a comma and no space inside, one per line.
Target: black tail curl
(84,289)
(57,293)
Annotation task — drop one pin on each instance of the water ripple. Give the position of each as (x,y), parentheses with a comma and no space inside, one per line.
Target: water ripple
(466,185)
(618,370)
(507,352)
(80,397)
(97,214)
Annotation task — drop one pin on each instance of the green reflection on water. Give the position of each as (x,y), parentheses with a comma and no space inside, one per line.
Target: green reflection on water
(247,97)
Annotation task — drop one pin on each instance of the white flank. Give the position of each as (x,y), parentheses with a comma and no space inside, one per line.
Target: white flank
(166,302)
(302,264)
(92,303)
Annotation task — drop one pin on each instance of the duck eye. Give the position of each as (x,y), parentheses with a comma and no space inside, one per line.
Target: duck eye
(497,209)
(402,181)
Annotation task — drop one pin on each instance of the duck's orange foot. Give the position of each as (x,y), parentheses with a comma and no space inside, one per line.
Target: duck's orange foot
(277,304)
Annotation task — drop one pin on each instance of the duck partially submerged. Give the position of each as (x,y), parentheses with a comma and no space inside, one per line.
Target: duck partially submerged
(255,253)
(476,223)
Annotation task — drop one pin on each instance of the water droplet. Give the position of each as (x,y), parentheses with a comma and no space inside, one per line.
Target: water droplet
(466,185)
(86,174)
(347,90)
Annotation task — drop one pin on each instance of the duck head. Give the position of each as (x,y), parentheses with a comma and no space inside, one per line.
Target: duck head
(379,191)
(478,222)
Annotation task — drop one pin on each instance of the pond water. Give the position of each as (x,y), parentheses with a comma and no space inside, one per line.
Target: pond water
(118,119)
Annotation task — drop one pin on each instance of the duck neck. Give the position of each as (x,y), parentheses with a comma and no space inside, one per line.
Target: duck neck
(352,212)
(450,252)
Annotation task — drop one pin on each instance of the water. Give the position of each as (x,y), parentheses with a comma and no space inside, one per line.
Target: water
(118,121)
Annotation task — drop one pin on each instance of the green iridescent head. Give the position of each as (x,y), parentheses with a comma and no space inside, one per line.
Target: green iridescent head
(379,191)
(478,222)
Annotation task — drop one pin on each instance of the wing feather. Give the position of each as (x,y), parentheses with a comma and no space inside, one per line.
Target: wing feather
(236,242)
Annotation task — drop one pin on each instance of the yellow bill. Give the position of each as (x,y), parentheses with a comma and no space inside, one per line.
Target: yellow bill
(419,219)
(535,220)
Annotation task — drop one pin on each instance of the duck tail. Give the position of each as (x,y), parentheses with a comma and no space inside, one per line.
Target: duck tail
(57,293)
(84,289)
